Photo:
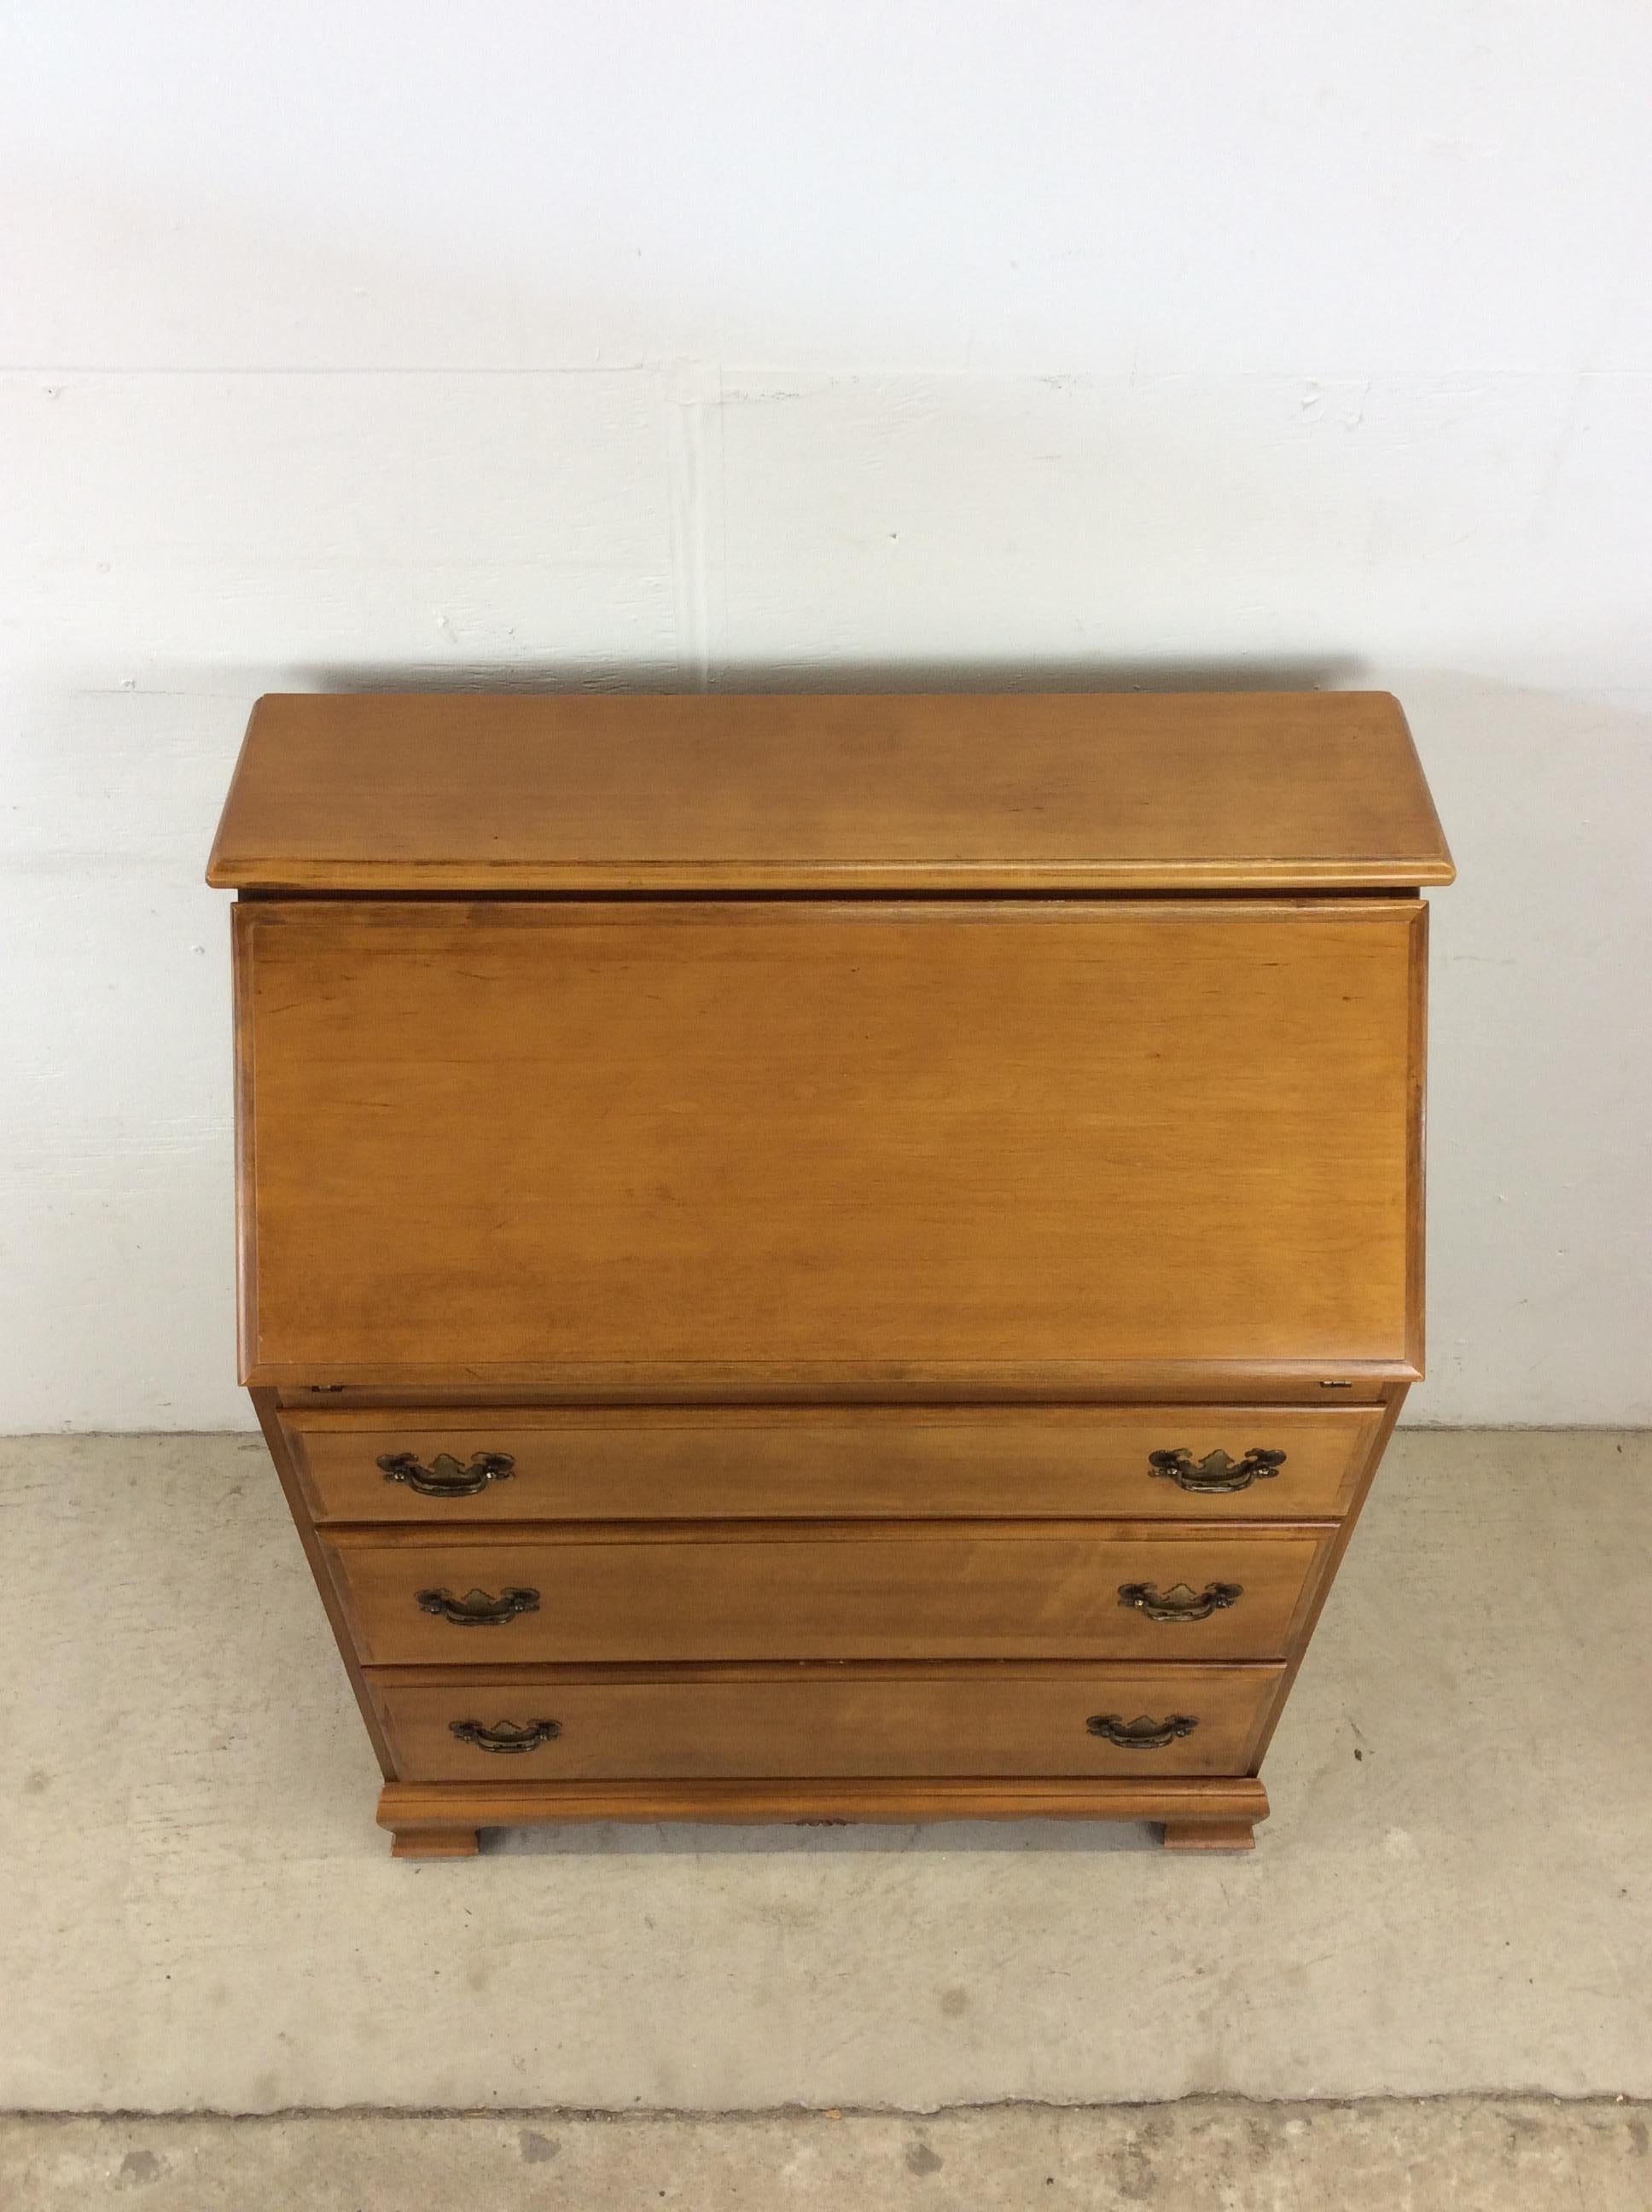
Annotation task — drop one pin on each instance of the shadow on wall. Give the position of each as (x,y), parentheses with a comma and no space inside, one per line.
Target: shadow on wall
(1310,673)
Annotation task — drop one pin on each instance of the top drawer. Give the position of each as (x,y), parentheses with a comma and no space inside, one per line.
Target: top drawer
(1138,1462)
(683,1148)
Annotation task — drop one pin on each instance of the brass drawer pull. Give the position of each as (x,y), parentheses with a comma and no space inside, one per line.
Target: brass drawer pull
(506,1736)
(1141,1733)
(1216,1475)
(476,1609)
(445,1477)
(1178,1602)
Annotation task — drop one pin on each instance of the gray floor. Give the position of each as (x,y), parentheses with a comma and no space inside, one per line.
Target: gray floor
(1466,2155)
(1454,1893)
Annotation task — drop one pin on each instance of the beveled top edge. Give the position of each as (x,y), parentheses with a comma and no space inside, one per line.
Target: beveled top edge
(904,792)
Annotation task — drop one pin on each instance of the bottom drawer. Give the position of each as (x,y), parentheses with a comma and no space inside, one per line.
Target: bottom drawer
(551,1723)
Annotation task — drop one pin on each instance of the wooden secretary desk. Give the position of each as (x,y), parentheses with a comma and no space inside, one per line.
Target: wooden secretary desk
(831,1258)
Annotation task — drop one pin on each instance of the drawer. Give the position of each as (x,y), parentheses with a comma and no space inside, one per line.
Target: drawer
(516,1463)
(836,1591)
(571,1724)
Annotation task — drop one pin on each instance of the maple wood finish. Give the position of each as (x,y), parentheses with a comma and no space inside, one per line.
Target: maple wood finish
(940,1126)
(736,1350)
(688,1722)
(1229,791)
(874,1462)
(998,1590)
(1214,1812)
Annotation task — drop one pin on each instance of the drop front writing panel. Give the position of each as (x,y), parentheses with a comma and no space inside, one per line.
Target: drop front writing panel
(501,1138)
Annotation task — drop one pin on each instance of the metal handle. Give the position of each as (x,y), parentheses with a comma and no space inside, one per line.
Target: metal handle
(1216,1475)
(506,1736)
(1141,1733)
(445,1477)
(1178,1602)
(475,1609)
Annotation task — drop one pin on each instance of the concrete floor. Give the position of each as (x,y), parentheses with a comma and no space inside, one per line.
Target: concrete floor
(1454,1893)
(1468,2155)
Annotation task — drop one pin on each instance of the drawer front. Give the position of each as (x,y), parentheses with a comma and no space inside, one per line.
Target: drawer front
(858,1590)
(695,1143)
(1136,1462)
(492,1724)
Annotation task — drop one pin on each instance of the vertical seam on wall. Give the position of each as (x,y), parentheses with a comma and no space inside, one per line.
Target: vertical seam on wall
(716,519)
(692,445)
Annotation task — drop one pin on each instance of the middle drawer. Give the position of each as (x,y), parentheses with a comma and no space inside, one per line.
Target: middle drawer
(1009,1590)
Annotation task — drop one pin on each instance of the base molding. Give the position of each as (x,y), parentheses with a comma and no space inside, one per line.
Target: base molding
(440,1820)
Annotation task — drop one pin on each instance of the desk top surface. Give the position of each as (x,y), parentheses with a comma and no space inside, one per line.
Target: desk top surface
(1052,792)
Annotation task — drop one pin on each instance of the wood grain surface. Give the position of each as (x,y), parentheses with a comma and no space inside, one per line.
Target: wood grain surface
(786,1722)
(440,1820)
(956,791)
(683,1463)
(929,1139)
(821,1590)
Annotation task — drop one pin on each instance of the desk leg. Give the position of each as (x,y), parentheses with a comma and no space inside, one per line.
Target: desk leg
(428,1843)
(1210,1836)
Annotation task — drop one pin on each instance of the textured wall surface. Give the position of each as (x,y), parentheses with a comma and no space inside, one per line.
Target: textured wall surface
(1085,344)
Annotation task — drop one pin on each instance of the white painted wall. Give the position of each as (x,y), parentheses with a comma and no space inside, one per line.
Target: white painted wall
(1000,341)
